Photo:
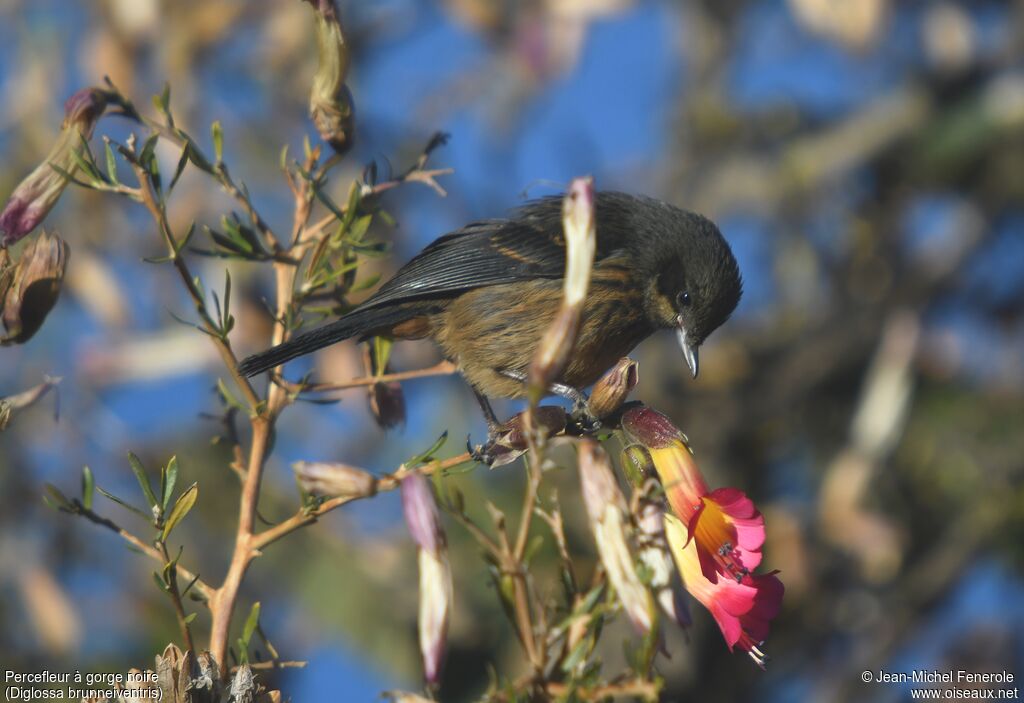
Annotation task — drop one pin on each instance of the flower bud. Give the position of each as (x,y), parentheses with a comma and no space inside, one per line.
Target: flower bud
(30,289)
(339,480)
(421,516)
(35,196)
(387,403)
(636,464)
(612,389)
(330,102)
(606,513)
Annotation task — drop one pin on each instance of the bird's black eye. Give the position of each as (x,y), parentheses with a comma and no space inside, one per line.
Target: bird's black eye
(683,299)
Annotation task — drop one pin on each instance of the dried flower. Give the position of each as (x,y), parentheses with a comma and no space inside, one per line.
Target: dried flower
(612,389)
(30,288)
(35,196)
(510,439)
(387,403)
(606,512)
(330,102)
(340,480)
(655,555)
(580,241)
(423,520)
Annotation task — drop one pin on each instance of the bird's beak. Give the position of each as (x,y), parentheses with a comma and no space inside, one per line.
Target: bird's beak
(689,350)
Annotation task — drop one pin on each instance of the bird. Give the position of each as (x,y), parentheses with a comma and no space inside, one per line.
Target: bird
(486,293)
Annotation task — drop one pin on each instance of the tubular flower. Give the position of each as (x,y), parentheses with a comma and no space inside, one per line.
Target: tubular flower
(424,524)
(606,512)
(724,533)
(743,609)
(35,196)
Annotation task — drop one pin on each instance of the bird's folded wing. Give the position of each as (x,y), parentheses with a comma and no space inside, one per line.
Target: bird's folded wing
(481,254)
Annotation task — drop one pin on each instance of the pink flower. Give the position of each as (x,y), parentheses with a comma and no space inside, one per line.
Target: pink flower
(724,533)
(743,608)
(423,520)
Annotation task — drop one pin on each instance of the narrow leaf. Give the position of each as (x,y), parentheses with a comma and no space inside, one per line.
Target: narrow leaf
(140,475)
(88,487)
(181,507)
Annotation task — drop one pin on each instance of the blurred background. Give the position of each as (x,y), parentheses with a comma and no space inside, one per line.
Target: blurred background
(863,158)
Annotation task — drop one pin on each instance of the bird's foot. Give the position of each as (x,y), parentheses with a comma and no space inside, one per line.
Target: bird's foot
(483,453)
(583,419)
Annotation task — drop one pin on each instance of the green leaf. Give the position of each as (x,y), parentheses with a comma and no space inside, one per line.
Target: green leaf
(111,161)
(140,475)
(111,496)
(190,584)
(180,168)
(381,353)
(250,624)
(429,454)
(162,102)
(218,140)
(181,507)
(190,617)
(160,583)
(56,499)
(168,477)
(88,487)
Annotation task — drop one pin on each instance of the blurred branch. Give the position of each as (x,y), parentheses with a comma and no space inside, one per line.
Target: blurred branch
(22,400)
(147,549)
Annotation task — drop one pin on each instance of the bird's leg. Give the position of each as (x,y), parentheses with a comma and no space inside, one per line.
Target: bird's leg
(587,421)
(483,453)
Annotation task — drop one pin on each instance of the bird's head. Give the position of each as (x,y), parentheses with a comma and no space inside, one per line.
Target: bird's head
(693,282)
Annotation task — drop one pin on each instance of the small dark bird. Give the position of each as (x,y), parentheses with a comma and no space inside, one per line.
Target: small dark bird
(487,292)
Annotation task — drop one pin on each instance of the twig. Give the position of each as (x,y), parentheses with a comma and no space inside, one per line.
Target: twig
(146,549)
(385,483)
(441,369)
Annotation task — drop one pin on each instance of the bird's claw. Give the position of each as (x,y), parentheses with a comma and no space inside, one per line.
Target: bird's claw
(482,452)
(585,421)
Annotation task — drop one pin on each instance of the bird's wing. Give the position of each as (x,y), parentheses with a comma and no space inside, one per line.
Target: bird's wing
(531,245)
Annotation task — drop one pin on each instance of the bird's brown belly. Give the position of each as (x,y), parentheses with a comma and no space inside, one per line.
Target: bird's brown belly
(497,328)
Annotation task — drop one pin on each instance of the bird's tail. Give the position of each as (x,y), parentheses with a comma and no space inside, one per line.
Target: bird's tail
(363,322)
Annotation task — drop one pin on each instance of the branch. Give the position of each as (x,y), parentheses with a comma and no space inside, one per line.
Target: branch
(388,482)
(147,549)
(441,369)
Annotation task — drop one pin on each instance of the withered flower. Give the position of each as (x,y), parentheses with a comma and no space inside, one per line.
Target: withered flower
(387,403)
(607,515)
(510,440)
(30,288)
(612,389)
(35,196)
(580,242)
(330,102)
